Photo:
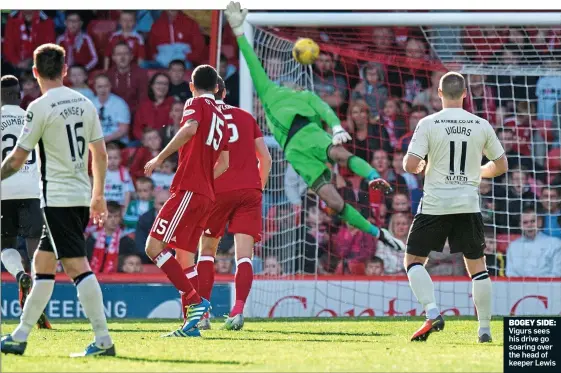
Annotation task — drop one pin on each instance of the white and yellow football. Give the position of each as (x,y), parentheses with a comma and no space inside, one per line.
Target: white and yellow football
(305,51)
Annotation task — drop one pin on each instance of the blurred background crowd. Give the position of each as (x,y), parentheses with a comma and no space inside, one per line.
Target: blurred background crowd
(135,67)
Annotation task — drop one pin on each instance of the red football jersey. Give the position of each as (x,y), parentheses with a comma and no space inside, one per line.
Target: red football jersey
(243,172)
(195,171)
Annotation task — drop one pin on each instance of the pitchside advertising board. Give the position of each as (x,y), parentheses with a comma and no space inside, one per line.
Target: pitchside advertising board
(303,298)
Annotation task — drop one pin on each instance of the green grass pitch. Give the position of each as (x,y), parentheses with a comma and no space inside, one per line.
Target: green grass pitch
(278,345)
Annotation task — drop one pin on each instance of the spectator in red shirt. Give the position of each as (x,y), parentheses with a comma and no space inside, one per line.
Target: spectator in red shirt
(353,247)
(127,34)
(128,81)
(175,115)
(393,120)
(151,146)
(418,112)
(30,90)
(154,111)
(26,30)
(176,36)
(79,46)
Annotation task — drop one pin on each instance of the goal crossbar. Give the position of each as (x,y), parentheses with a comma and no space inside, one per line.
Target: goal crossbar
(406,19)
(324,19)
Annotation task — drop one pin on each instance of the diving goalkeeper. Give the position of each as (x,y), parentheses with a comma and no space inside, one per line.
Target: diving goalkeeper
(294,117)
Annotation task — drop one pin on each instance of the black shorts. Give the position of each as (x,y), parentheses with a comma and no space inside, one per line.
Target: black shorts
(464,233)
(21,217)
(66,226)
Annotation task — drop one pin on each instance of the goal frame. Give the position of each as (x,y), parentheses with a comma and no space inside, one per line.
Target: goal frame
(381,19)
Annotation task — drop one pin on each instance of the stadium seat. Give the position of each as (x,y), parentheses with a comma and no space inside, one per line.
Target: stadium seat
(504,239)
(100,30)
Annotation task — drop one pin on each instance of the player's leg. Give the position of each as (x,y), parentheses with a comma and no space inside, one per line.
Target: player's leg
(179,224)
(65,228)
(482,292)
(163,231)
(428,233)
(11,257)
(32,229)
(359,166)
(468,237)
(187,261)
(205,269)
(44,263)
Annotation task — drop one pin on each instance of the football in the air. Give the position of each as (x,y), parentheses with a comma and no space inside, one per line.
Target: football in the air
(305,51)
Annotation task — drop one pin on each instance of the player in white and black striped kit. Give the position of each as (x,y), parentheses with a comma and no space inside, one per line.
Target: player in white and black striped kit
(21,204)
(65,125)
(454,141)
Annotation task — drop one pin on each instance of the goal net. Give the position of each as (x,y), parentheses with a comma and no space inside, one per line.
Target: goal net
(381,81)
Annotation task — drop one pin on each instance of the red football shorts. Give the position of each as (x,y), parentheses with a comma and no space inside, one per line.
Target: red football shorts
(181,220)
(241,209)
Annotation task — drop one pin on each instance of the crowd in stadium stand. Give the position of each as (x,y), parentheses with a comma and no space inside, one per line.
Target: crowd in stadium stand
(135,67)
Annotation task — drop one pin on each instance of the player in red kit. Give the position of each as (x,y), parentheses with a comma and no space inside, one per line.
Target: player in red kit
(202,142)
(238,204)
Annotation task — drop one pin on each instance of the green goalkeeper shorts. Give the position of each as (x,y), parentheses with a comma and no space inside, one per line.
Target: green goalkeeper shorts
(307,153)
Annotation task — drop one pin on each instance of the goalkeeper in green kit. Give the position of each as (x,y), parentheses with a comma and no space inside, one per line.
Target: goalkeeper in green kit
(294,117)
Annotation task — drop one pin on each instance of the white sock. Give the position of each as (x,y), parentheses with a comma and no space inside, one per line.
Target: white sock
(91,298)
(12,261)
(423,288)
(482,298)
(34,306)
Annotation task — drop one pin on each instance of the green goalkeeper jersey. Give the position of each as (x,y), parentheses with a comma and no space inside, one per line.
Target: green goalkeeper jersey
(283,104)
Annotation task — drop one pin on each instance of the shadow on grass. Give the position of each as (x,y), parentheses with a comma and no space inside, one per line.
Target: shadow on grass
(334,334)
(180,361)
(255,339)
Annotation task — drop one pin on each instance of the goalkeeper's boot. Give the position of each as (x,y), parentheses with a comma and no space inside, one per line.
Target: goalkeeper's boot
(204,324)
(43,322)
(380,184)
(9,346)
(95,350)
(24,286)
(485,338)
(429,326)
(234,322)
(181,333)
(195,313)
(387,238)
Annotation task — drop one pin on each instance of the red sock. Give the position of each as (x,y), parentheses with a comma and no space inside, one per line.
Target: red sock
(171,267)
(191,274)
(205,269)
(244,279)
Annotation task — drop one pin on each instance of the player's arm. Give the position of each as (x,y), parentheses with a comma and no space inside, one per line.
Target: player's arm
(222,163)
(28,139)
(414,160)
(265,160)
(327,114)
(181,138)
(98,205)
(13,162)
(99,167)
(494,151)
(236,17)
